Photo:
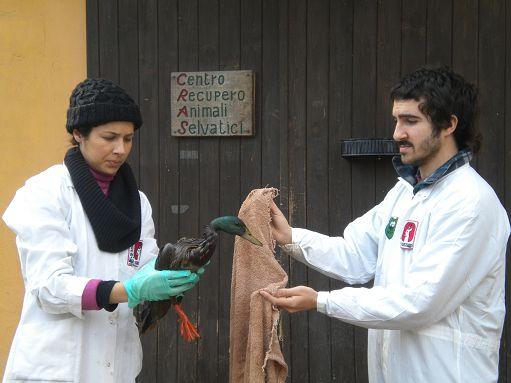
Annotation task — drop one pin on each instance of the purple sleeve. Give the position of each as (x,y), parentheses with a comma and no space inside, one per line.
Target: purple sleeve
(89,301)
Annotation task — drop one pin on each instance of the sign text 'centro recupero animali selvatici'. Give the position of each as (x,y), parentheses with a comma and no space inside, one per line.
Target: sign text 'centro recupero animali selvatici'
(218,103)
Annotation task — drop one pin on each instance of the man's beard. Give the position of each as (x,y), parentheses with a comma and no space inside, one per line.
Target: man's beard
(428,149)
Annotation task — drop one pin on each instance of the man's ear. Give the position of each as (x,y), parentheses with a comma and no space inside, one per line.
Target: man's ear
(453,124)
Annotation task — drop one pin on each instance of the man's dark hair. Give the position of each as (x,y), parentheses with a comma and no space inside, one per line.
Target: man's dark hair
(443,93)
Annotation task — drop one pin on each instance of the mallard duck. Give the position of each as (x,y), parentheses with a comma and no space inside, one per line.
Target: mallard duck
(189,254)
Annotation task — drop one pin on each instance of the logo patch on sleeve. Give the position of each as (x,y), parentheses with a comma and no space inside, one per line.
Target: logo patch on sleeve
(134,254)
(409,234)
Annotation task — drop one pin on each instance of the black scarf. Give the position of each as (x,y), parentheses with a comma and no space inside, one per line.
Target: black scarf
(116,220)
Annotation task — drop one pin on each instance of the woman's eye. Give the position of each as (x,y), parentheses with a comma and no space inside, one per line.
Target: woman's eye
(109,138)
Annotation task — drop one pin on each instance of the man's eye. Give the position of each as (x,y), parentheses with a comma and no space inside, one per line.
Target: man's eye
(128,139)
(109,138)
(411,121)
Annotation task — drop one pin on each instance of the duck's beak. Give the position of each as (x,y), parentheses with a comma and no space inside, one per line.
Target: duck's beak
(249,237)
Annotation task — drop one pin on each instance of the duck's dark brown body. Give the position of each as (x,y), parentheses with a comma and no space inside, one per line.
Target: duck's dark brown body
(188,254)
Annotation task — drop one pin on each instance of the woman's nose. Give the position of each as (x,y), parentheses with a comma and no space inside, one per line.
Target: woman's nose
(119,147)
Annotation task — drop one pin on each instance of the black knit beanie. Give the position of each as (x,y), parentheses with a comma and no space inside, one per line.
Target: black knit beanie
(97,101)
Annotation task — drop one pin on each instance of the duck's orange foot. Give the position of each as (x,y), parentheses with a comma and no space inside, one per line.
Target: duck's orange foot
(188,331)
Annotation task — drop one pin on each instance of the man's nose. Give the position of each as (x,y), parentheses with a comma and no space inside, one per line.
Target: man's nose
(399,132)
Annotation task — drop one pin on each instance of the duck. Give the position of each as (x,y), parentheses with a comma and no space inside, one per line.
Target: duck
(187,254)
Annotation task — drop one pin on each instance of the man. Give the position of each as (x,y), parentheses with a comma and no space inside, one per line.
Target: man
(435,247)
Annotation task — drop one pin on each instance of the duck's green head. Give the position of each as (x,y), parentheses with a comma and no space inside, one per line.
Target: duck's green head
(235,226)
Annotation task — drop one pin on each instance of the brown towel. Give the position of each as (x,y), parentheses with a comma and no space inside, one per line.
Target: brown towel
(255,354)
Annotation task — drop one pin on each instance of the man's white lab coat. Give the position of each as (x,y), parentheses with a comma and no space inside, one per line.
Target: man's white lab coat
(56,340)
(436,311)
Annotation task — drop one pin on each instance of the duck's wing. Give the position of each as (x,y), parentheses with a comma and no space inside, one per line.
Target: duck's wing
(166,257)
(193,253)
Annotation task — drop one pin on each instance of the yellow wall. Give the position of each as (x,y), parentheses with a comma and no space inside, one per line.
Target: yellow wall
(42,58)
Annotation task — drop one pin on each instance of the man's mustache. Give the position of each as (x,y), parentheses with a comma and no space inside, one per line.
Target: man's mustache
(404,143)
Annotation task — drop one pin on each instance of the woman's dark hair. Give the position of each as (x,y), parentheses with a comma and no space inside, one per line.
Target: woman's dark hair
(84,131)
(443,93)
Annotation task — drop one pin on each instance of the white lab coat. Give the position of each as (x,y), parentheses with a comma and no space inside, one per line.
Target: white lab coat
(436,311)
(56,340)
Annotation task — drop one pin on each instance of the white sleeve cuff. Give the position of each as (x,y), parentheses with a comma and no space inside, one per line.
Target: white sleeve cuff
(75,296)
(321,301)
(294,251)
(298,234)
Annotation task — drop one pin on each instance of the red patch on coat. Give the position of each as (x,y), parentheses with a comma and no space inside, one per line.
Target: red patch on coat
(409,234)
(134,254)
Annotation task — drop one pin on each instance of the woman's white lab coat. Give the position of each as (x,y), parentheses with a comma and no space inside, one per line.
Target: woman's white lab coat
(55,340)
(436,310)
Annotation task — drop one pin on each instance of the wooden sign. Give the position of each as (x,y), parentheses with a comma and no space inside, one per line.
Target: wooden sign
(205,104)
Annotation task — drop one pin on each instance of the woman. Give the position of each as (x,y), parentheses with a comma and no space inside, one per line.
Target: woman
(86,243)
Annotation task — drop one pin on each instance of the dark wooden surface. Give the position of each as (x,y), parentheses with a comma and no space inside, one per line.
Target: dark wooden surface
(324,69)
(505,354)
(339,172)
(298,357)
(318,23)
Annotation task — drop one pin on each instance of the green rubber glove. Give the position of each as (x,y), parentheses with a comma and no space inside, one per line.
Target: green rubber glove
(200,271)
(149,284)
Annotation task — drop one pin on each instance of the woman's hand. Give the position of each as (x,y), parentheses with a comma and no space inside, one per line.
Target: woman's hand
(280,227)
(149,284)
(293,300)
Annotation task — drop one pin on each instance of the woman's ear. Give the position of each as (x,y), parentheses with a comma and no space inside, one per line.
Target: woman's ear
(77,136)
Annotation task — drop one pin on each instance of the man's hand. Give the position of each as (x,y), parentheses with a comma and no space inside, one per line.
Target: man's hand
(295,299)
(280,227)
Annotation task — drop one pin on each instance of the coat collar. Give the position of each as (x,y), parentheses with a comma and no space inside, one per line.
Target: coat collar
(410,173)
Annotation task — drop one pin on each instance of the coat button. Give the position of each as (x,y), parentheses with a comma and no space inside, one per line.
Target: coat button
(108,364)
